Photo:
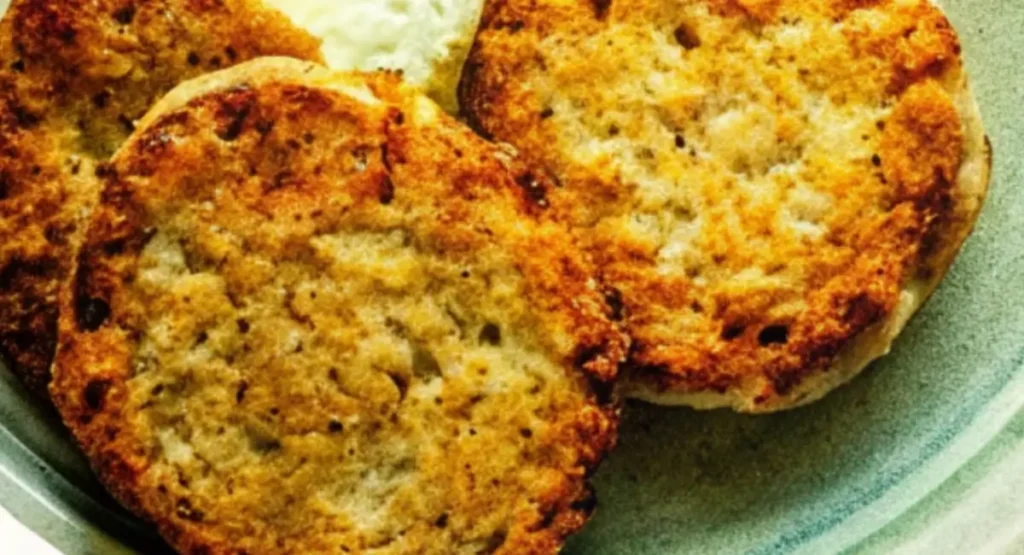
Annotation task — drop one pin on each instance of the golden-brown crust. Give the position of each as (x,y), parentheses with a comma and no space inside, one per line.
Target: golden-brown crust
(270,247)
(74,75)
(762,182)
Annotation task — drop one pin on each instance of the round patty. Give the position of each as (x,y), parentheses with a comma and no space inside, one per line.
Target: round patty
(313,313)
(74,76)
(772,188)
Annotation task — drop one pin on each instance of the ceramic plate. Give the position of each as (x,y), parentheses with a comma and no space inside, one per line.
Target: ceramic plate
(924,453)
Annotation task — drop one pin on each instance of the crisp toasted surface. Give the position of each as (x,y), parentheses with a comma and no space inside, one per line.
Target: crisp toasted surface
(315,314)
(427,40)
(772,187)
(74,75)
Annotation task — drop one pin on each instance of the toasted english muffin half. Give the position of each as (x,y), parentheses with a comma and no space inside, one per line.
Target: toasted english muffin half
(771,187)
(313,314)
(74,77)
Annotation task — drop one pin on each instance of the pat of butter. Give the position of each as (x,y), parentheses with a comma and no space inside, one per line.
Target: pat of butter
(427,39)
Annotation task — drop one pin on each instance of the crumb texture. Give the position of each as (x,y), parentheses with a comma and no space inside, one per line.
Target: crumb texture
(75,75)
(760,181)
(315,314)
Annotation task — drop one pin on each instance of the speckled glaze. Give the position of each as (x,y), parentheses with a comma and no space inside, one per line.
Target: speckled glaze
(924,453)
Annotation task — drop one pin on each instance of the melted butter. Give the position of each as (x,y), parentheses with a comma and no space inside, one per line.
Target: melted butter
(427,40)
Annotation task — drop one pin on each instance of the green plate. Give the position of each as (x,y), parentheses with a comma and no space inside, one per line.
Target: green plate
(924,453)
